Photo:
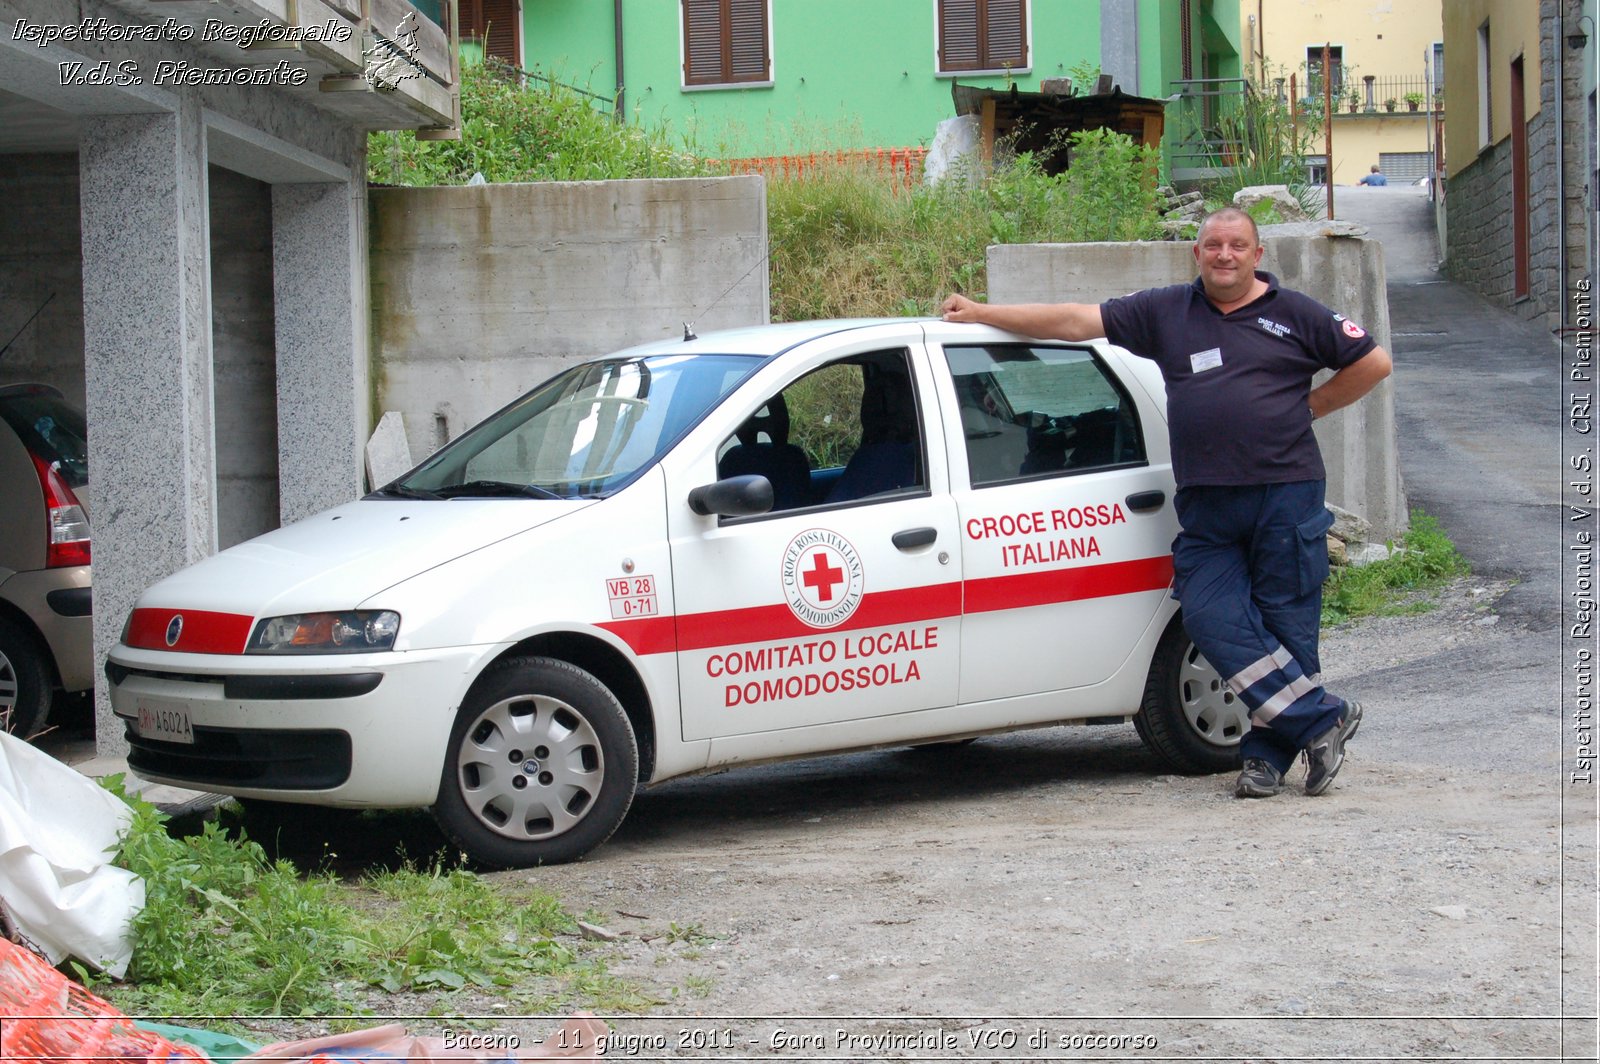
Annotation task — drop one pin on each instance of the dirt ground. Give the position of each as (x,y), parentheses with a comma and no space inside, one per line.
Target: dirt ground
(1056,887)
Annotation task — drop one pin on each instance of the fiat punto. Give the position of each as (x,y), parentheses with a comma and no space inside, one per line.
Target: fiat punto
(759,544)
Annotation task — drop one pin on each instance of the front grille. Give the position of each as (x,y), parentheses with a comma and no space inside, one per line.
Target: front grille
(304,760)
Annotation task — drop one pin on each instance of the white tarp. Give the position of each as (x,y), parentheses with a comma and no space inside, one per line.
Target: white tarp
(58,831)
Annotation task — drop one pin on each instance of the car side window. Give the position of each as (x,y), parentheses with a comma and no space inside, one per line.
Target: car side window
(1031,411)
(847,431)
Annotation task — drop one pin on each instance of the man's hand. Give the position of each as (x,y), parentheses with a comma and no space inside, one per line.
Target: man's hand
(958,307)
(1350,383)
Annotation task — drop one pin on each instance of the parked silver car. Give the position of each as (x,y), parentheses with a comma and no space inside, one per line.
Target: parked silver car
(46,635)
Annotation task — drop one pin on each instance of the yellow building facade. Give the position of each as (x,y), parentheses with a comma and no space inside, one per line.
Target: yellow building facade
(1385,60)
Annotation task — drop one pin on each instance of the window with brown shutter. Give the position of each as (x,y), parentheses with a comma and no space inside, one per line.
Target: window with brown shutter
(725,42)
(983,35)
(494,25)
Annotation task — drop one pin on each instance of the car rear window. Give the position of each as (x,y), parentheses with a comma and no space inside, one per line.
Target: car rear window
(50,428)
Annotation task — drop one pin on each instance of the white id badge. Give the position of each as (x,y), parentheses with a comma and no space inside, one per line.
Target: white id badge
(1201,361)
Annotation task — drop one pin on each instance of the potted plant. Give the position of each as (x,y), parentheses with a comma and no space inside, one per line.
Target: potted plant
(1355,102)
(1413,100)
(1390,104)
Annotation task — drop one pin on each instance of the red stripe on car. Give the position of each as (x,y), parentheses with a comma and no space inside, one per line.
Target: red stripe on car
(880,609)
(202,631)
(1068,585)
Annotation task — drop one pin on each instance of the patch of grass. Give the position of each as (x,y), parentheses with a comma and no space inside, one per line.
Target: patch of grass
(1425,559)
(227,931)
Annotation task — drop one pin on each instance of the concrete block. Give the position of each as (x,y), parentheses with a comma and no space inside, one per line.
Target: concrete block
(480,293)
(388,455)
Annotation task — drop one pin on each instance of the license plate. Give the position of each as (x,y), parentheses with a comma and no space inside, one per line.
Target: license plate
(166,722)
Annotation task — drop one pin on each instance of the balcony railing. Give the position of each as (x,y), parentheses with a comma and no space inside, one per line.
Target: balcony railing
(1371,93)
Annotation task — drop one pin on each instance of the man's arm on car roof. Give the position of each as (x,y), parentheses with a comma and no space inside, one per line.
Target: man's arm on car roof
(1048,321)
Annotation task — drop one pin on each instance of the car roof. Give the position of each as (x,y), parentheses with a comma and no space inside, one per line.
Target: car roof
(763,340)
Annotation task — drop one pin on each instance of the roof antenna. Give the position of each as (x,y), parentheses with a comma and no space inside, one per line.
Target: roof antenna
(688,332)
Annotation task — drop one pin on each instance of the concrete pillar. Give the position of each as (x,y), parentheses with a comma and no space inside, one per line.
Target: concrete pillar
(1119,45)
(319,291)
(147,361)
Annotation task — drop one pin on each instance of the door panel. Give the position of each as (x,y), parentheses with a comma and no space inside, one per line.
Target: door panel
(847,603)
(1066,525)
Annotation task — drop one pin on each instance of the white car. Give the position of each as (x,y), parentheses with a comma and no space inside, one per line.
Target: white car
(758,544)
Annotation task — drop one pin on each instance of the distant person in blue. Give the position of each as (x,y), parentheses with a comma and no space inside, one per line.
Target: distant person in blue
(1375,178)
(1238,353)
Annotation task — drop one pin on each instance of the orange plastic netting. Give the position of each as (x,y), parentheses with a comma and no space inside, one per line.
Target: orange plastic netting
(44,1016)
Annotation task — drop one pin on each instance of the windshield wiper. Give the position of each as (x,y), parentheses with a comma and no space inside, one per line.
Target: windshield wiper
(400,491)
(486,488)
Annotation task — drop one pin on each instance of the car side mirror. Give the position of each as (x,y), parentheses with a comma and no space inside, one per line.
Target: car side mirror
(743,496)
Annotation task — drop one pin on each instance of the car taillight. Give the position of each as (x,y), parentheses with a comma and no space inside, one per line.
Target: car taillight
(67,542)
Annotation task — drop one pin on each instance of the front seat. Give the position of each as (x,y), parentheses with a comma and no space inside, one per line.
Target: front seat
(780,461)
(889,456)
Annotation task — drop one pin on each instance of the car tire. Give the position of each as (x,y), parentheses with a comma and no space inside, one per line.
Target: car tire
(541,766)
(1188,716)
(25,687)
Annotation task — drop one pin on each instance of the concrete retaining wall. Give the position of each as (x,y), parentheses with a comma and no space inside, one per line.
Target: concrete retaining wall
(481,292)
(1346,273)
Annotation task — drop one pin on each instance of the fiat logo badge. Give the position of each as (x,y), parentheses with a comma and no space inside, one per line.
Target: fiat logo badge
(174,629)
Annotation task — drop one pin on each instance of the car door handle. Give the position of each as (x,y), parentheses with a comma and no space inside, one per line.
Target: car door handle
(912,538)
(1143,502)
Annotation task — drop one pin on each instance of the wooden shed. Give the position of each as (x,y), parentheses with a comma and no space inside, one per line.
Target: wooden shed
(1038,122)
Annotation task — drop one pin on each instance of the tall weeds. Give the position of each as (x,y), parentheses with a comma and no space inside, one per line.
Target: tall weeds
(845,243)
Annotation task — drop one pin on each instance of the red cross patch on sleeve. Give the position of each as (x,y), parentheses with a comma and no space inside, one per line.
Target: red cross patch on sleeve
(1352,330)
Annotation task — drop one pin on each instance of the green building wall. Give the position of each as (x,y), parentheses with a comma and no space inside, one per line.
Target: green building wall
(846,73)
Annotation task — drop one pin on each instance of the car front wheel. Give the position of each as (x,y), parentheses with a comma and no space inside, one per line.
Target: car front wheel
(1188,717)
(25,689)
(541,766)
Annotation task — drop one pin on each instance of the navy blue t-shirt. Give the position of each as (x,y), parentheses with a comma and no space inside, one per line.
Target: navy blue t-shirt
(1237,383)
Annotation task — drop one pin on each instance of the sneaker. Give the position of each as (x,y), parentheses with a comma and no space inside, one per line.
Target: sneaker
(1258,780)
(1325,755)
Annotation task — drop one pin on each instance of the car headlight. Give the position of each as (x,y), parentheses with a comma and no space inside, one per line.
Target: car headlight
(345,632)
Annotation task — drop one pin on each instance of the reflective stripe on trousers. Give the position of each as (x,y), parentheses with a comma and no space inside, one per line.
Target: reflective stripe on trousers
(1248,570)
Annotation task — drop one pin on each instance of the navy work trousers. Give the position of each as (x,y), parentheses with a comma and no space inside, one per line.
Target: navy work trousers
(1248,570)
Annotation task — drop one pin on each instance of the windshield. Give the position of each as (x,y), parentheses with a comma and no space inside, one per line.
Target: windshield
(49,428)
(583,433)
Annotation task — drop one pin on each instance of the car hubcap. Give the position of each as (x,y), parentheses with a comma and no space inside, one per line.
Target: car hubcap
(1215,713)
(530,767)
(8,691)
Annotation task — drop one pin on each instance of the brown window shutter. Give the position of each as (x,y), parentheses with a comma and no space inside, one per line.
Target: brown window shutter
(702,42)
(504,33)
(492,23)
(748,41)
(958,35)
(1006,34)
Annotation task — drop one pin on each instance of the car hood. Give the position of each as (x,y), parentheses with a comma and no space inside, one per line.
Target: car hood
(342,557)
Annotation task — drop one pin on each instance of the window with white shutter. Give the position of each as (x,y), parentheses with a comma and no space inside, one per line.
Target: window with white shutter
(725,42)
(983,35)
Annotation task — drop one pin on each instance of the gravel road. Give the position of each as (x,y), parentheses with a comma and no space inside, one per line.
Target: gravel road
(1058,880)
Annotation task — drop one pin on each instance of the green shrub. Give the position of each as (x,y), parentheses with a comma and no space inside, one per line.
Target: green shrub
(520,129)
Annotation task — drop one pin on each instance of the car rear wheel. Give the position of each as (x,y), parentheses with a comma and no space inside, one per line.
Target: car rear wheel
(1189,718)
(541,766)
(24,681)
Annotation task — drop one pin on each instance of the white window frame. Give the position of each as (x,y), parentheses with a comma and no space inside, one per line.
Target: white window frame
(1485,101)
